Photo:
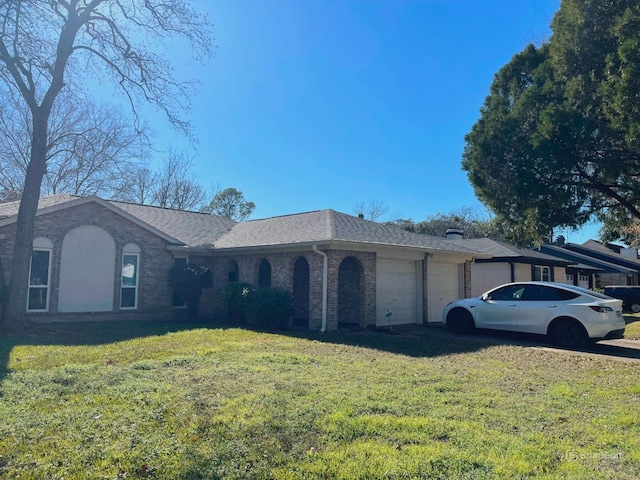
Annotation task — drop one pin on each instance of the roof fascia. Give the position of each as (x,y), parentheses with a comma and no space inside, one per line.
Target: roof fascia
(326,244)
(104,203)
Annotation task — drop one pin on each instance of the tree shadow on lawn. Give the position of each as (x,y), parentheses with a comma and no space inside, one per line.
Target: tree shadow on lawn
(90,333)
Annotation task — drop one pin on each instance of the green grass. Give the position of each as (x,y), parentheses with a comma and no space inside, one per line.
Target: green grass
(157,401)
(632,330)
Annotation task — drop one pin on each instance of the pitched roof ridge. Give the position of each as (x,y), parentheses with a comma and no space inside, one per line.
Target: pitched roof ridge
(159,207)
(298,214)
(331,222)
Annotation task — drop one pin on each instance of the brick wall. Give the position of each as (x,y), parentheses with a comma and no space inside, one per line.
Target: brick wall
(282,276)
(154,294)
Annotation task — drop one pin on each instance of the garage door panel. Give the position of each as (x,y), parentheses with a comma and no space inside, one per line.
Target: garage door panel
(396,290)
(443,286)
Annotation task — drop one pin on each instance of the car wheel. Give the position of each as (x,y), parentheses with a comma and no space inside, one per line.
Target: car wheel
(635,307)
(569,334)
(460,321)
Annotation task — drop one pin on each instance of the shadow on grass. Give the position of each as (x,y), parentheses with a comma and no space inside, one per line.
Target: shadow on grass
(413,341)
(90,333)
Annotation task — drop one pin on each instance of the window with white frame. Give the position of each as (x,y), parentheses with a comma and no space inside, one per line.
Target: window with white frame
(130,277)
(541,274)
(39,275)
(178,301)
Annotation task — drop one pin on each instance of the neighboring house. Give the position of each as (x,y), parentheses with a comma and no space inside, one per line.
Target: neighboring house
(620,266)
(507,263)
(102,259)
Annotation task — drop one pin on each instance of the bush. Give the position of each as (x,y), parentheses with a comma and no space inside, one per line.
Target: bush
(271,307)
(188,281)
(235,295)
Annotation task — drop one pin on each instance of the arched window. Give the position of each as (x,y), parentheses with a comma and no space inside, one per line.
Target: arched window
(233,273)
(264,274)
(40,275)
(130,277)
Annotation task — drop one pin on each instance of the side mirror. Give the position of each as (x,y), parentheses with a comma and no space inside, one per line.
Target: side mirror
(485,297)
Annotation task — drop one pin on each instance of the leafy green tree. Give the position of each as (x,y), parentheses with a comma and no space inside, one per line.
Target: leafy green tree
(50,46)
(188,281)
(557,140)
(230,203)
(469,220)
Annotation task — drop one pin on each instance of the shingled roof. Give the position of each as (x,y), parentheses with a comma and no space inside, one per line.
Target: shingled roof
(500,251)
(194,229)
(324,226)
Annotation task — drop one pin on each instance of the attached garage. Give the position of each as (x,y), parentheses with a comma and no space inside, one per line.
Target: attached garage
(485,276)
(398,290)
(444,285)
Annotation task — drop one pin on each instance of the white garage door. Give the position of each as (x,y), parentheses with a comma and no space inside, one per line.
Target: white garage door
(485,276)
(443,286)
(397,290)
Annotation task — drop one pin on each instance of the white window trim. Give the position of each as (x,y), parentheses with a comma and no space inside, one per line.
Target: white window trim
(542,268)
(41,244)
(130,249)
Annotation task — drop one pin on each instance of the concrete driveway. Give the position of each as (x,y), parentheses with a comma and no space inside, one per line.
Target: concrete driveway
(621,350)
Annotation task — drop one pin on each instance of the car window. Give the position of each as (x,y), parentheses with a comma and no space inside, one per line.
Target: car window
(543,293)
(510,292)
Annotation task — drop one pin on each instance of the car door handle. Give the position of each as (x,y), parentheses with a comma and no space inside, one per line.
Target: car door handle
(552,306)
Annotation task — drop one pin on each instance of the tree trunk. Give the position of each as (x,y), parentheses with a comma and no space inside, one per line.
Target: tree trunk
(14,316)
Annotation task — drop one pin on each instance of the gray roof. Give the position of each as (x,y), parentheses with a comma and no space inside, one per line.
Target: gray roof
(196,229)
(10,209)
(191,228)
(586,259)
(575,258)
(329,226)
(500,250)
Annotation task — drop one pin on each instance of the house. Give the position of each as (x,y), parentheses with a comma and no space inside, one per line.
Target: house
(101,259)
(618,266)
(506,263)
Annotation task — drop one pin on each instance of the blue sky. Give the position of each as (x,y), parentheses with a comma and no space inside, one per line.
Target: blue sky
(314,104)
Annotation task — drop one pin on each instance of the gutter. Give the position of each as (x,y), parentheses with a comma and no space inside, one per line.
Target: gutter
(325,276)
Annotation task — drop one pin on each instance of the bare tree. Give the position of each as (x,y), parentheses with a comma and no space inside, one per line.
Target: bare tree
(230,203)
(176,185)
(90,148)
(139,187)
(47,46)
(371,210)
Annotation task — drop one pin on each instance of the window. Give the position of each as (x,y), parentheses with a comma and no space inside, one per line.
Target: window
(178,301)
(264,274)
(541,274)
(509,293)
(233,274)
(541,293)
(129,277)
(39,276)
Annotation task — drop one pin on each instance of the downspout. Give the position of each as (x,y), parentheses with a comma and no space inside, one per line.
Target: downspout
(325,281)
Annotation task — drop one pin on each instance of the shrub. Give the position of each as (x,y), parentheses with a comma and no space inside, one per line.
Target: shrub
(188,281)
(235,295)
(266,306)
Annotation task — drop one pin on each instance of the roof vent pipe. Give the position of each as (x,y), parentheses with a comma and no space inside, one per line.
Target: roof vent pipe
(454,234)
(325,281)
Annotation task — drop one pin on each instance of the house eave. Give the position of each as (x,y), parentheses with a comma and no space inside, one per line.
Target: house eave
(324,244)
(104,203)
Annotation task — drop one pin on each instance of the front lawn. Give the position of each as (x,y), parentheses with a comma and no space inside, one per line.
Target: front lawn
(632,330)
(156,401)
